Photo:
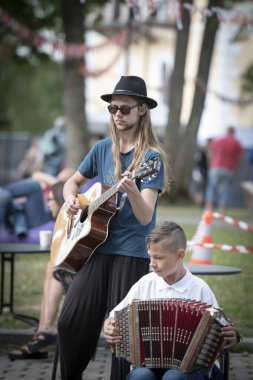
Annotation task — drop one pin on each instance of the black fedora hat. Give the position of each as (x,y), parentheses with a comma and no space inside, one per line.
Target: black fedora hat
(131,86)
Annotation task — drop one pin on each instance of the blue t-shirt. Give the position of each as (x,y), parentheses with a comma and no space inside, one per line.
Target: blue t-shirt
(126,236)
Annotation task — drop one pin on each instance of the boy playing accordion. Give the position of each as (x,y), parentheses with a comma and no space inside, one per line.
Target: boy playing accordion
(169,279)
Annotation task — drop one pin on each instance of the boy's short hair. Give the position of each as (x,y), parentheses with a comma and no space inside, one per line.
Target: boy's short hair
(170,233)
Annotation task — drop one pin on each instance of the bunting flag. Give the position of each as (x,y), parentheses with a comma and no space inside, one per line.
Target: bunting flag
(240,102)
(69,50)
(120,39)
(78,50)
(225,16)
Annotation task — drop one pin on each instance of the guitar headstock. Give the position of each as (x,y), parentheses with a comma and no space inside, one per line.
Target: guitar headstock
(147,169)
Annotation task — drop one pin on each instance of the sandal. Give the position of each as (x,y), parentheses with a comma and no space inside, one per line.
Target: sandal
(24,353)
(42,339)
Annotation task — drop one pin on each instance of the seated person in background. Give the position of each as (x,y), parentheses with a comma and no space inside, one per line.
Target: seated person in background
(53,147)
(46,333)
(46,180)
(46,153)
(5,206)
(169,279)
(27,200)
(32,161)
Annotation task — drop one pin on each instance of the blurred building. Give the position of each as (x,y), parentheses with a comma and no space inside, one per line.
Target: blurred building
(150,54)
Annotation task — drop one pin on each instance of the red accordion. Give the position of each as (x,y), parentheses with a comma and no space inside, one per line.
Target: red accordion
(170,333)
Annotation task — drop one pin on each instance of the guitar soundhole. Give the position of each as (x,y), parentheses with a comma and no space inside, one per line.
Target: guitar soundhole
(84,214)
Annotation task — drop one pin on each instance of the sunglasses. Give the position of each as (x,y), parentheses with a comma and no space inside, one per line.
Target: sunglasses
(125,110)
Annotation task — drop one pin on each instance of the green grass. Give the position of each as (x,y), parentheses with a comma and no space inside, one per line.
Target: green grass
(234,292)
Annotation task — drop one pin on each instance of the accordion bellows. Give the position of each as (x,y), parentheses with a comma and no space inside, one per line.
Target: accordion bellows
(170,333)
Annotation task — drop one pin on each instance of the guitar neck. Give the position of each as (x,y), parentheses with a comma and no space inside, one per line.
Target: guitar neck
(103,198)
(145,170)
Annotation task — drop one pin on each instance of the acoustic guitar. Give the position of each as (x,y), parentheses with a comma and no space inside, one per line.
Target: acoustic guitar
(74,241)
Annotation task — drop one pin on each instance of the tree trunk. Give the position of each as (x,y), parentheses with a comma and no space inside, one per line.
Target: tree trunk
(185,154)
(176,90)
(74,99)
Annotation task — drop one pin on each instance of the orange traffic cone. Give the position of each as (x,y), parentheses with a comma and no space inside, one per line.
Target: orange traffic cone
(200,254)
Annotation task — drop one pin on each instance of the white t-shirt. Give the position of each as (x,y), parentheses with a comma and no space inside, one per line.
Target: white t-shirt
(152,286)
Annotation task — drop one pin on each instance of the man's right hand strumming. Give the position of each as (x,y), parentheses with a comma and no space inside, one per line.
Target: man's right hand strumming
(72,205)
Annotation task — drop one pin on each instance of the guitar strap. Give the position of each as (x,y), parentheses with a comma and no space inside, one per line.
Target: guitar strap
(124,195)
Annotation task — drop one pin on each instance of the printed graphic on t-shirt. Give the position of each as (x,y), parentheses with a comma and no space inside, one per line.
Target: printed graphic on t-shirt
(109,178)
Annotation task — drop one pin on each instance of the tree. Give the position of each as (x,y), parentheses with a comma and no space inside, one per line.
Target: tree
(182,147)
(69,18)
(27,74)
(172,134)
(73,16)
(185,155)
(74,89)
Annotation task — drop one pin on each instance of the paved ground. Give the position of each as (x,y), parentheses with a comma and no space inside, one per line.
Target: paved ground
(241,365)
(98,369)
(241,368)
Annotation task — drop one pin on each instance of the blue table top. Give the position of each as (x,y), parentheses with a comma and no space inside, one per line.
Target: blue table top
(210,269)
(22,248)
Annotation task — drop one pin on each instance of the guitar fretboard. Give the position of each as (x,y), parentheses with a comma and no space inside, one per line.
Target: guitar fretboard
(103,198)
(141,172)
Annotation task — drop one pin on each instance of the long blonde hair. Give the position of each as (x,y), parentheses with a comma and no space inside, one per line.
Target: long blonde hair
(145,138)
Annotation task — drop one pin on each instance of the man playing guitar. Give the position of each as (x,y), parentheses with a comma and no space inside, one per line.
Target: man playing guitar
(118,262)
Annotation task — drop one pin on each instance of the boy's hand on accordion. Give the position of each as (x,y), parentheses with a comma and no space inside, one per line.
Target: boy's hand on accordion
(229,336)
(111,332)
